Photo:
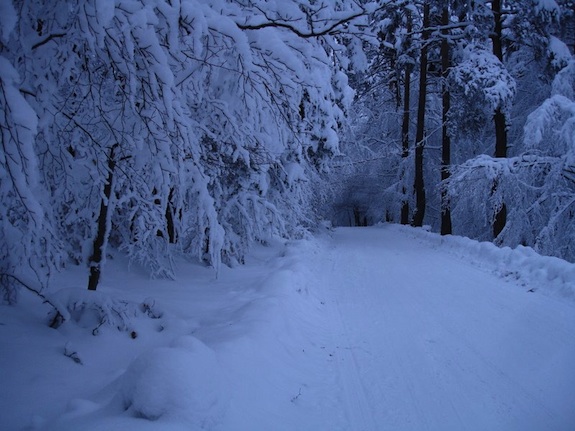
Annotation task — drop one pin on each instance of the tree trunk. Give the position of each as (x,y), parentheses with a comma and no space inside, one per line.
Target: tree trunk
(101,239)
(419,185)
(500,217)
(500,133)
(496,36)
(170,223)
(445,138)
(499,117)
(405,130)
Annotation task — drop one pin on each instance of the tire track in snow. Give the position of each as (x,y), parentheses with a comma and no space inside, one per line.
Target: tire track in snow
(358,411)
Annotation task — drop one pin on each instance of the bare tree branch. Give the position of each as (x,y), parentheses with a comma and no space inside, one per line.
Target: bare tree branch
(58,317)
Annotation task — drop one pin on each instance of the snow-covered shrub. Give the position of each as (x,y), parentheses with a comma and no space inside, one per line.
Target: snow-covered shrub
(94,310)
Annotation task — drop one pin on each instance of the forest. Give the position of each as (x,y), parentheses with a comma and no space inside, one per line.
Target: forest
(198,128)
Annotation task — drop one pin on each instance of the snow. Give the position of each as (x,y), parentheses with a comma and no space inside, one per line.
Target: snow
(376,328)
(104,11)
(564,82)
(481,74)
(179,382)
(295,173)
(549,6)
(559,52)
(8,19)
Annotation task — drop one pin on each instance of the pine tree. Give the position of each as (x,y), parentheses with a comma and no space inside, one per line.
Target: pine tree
(445,134)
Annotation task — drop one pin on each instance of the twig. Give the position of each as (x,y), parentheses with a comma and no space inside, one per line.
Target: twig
(294,398)
(72,354)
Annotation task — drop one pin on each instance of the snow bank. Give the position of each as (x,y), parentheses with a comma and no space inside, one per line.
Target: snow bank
(522,264)
(251,363)
(277,366)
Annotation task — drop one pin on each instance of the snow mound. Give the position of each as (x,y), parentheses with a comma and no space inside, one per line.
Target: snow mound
(180,383)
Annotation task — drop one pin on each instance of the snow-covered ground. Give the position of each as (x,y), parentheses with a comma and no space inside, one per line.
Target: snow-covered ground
(383,328)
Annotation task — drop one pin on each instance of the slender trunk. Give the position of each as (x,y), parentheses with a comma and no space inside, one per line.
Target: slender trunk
(170,224)
(101,239)
(500,218)
(500,133)
(499,117)
(356,217)
(445,138)
(405,130)
(419,186)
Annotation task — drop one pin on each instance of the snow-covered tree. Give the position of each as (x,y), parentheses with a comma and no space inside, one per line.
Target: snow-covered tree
(502,60)
(380,138)
(538,185)
(525,57)
(27,244)
(167,127)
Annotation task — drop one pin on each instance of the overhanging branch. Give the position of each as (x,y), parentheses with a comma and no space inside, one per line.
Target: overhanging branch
(313,33)
(48,39)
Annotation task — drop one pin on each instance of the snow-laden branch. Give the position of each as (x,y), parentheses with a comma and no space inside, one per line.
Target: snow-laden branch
(48,39)
(333,27)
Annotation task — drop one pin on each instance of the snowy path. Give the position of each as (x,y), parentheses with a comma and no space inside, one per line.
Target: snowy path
(430,342)
(365,329)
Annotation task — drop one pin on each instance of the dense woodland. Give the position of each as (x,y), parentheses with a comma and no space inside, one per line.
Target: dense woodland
(196,128)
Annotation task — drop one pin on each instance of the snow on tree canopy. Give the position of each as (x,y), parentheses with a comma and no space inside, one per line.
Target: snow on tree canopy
(558,52)
(26,235)
(550,129)
(547,6)
(481,75)
(536,186)
(564,82)
(170,128)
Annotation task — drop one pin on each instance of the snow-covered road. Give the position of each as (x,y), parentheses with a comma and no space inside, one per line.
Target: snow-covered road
(431,342)
(363,329)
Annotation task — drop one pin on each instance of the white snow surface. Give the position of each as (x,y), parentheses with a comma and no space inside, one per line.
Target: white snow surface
(8,19)
(382,328)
